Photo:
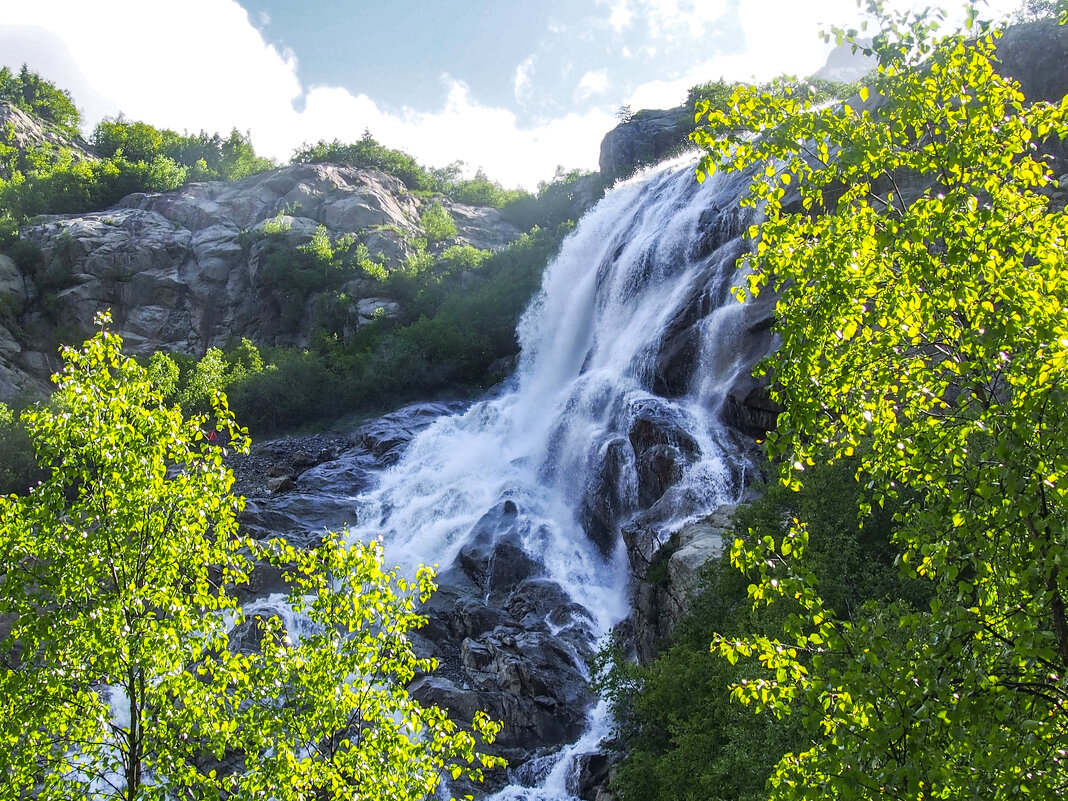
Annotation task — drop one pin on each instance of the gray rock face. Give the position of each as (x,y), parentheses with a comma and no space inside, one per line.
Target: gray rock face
(648,137)
(667,580)
(1036,55)
(183,271)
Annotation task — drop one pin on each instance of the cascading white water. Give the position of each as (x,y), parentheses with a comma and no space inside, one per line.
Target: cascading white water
(590,344)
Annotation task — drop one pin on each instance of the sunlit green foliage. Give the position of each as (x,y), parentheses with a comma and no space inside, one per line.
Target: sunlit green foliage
(204,157)
(718,94)
(108,574)
(62,182)
(367,153)
(480,191)
(134,157)
(346,690)
(923,296)
(438,223)
(34,95)
(680,734)
(121,677)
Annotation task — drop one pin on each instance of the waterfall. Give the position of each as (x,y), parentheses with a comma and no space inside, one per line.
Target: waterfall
(613,416)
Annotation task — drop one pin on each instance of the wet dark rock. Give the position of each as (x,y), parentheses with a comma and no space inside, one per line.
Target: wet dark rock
(472,618)
(605,502)
(295,513)
(656,423)
(679,349)
(535,601)
(590,774)
(537,670)
(659,468)
(749,408)
(494,557)
(1036,55)
(387,436)
(530,725)
(662,449)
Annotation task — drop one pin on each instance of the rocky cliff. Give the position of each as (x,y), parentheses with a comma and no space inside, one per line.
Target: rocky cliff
(186,270)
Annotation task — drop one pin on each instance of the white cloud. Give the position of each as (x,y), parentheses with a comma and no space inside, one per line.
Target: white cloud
(592,83)
(620,16)
(523,83)
(682,19)
(200,64)
(481,136)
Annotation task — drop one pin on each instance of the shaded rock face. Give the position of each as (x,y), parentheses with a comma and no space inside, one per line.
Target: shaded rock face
(648,137)
(667,579)
(1036,55)
(183,271)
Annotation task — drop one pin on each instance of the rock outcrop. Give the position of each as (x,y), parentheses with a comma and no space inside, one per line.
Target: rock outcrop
(648,137)
(667,577)
(187,270)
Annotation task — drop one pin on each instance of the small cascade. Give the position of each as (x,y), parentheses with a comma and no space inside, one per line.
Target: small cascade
(613,419)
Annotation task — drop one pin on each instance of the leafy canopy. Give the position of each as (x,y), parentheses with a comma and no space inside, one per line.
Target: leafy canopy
(33,94)
(122,672)
(923,309)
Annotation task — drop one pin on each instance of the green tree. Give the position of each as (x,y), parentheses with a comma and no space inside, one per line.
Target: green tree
(119,676)
(367,152)
(923,294)
(30,92)
(115,568)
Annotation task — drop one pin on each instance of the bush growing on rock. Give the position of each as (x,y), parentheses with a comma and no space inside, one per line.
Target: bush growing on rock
(438,223)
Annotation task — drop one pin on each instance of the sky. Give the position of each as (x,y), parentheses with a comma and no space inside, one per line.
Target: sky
(515,88)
